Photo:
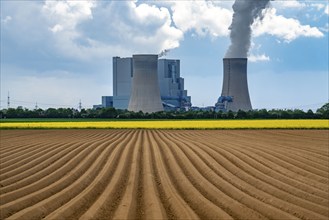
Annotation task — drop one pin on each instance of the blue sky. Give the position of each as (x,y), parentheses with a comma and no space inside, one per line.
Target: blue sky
(58,52)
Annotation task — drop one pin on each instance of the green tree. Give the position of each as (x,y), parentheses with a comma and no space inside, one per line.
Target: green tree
(309,114)
(108,113)
(51,113)
(263,113)
(241,114)
(230,114)
(324,111)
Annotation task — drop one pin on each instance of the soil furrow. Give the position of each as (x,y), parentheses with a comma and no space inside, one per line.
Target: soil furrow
(198,201)
(250,170)
(127,208)
(239,201)
(292,159)
(153,208)
(261,169)
(107,202)
(35,165)
(175,205)
(49,175)
(263,193)
(84,169)
(78,205)
(273,167)
(164,174)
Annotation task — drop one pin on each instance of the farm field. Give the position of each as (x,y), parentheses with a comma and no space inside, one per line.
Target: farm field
(159,174)
(166,124)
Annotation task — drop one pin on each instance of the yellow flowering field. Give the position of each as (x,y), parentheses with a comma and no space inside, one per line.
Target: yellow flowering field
(175,124)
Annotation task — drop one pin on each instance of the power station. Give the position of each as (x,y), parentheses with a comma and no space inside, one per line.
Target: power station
(145,91)
(171,84)
(148,84)
(235,93)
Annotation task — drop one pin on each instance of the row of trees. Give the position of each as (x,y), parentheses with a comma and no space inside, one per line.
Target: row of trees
(20,112)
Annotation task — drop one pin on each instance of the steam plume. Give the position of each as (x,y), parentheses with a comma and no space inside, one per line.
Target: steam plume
(163,53)
(245,13)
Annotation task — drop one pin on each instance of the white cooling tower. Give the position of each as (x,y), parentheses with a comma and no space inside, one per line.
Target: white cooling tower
(235,85)
(145,91)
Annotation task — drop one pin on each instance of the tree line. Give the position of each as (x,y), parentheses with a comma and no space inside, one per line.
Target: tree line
(112,113)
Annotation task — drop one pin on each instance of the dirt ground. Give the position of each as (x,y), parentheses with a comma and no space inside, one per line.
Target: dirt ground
(161,174)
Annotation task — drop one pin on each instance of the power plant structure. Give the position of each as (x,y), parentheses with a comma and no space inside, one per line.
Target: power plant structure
(122,81)
(235,93)
(148,84)
(173,95)
(145,91)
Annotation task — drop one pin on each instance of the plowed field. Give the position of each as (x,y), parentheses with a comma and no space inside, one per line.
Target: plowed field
(160,174)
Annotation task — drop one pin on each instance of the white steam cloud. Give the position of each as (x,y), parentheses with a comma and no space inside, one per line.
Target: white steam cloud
(245,13)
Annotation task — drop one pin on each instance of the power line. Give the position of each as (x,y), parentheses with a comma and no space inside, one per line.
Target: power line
(27,102)
(20,102)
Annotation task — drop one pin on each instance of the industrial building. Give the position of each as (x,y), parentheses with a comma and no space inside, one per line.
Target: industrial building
(107,101)
(173,95)
(235,93)
(122,81)
(145,91)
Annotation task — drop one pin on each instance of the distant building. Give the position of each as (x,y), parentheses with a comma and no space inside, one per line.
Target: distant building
(97,106)
(107,101)
(122,81)
(171,85)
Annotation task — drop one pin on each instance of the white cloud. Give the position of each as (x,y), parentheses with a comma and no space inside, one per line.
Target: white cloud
(63,17)
(258,58)
(325,28)
(213,19)
(285,28)
(68,14)
(202,17)
(293,4)
(6,19)
(326,10)
(148,26)
(56,28)
(318,6)
(91,30)
(86,30)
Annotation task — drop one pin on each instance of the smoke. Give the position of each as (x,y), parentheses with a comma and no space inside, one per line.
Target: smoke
(245,13)
(163,53)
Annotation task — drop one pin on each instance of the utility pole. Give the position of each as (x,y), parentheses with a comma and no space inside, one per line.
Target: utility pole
(80,106)
(8,101)
(36,106)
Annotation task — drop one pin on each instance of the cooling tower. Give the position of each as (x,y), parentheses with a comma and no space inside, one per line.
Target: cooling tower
(235,85)
(145,91)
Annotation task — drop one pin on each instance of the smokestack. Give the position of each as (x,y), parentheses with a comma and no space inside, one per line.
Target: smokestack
(145,93)
(235,93)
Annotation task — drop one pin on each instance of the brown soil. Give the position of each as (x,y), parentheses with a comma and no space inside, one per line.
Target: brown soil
(164,174)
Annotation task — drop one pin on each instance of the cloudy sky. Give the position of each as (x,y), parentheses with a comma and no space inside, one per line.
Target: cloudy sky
(58,52)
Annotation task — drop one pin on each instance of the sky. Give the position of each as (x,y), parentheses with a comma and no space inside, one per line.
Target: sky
(56,53)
